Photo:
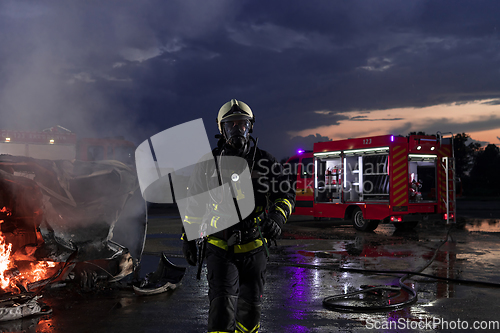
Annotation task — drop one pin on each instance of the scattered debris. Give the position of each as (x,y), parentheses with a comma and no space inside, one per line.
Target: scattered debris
(166,277)
(22,305)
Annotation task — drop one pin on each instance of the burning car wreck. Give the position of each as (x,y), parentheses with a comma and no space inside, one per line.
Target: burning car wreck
(62,221)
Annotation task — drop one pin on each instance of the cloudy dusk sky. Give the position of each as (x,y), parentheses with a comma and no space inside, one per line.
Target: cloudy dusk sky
(310,70)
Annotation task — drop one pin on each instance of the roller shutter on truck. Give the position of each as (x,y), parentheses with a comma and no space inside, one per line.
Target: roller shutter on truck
(399,178)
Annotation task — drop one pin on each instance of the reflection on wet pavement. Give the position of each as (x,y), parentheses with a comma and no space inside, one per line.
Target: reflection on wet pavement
(294,294)
(482,225)
(466,255)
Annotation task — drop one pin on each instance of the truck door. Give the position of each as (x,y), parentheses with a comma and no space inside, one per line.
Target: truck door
(329,178)
(305,186)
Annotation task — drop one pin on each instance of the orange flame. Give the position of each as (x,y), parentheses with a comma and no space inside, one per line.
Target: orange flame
(6,210)
(38,271)
(5,263)
(35,271)
(20,270)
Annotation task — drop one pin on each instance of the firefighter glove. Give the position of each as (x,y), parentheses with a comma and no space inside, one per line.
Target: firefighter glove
(189,249)
(270,227)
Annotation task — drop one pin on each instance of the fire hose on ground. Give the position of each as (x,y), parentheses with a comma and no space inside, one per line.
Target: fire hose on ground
(334,302)
(386,292)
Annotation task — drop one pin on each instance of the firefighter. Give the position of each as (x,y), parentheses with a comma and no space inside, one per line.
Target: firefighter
(236,265)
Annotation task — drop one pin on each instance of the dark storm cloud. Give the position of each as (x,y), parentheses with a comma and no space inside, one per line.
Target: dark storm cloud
(443,125)
(493,102)
(96,68)
(287,148)
(136,68)
(365,118)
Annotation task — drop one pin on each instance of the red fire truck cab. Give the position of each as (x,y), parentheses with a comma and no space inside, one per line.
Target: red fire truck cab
(379,179)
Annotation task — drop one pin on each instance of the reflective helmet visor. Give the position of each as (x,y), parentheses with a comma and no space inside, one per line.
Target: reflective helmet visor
(237,128)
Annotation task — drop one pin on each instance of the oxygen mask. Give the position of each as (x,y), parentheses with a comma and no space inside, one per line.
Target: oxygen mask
(237,134)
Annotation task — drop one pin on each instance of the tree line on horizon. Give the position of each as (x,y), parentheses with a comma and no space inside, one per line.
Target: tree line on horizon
(477,168)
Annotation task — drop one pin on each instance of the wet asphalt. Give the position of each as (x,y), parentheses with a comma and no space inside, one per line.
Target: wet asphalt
(303,269)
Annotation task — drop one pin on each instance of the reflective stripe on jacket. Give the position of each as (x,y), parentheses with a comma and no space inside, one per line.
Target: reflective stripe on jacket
(241,248)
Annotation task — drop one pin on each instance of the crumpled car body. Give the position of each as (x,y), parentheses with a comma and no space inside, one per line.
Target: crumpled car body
(70,211)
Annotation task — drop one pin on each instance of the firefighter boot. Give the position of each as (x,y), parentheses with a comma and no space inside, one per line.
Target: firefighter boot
(221,314)
(247,317)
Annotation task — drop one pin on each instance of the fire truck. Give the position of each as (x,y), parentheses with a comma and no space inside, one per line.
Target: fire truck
(59,143)
(378,179)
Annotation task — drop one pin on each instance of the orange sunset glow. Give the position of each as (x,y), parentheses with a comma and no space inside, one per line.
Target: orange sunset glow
(479,119)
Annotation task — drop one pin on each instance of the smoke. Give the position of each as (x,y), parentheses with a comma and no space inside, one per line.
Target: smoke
(93,67)
(97,68)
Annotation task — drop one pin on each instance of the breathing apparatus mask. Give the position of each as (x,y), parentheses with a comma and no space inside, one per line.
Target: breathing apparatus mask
(237,133)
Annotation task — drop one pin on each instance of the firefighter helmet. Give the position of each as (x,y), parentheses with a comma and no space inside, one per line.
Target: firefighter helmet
(234,110)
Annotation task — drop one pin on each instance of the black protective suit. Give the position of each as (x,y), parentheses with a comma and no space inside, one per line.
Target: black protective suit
(236,256)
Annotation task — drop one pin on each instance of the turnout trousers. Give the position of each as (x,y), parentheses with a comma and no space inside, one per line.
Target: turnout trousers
(236,283)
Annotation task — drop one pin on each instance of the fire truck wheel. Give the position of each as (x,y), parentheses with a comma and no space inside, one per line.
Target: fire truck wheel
(360,223)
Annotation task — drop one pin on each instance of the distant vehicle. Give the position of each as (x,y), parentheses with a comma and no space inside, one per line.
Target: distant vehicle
(379,179)
(59,143)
